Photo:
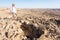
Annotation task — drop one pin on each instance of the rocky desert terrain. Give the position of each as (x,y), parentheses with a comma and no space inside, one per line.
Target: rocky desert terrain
(30,24)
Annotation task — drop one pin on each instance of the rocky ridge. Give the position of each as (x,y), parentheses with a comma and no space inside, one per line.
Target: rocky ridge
(30,26)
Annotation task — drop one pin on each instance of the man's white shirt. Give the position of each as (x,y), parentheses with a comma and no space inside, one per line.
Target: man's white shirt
(13,9)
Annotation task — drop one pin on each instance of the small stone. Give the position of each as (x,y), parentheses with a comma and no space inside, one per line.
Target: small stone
(6,34)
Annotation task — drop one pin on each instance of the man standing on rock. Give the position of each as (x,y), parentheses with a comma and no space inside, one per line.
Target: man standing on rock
(13,10)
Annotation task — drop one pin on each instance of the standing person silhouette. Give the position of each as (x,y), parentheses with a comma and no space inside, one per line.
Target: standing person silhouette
(13,10)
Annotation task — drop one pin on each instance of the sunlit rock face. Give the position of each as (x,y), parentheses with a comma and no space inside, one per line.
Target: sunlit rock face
(30,24)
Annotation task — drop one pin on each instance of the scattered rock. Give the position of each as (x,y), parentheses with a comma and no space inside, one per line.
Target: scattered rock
(32,26)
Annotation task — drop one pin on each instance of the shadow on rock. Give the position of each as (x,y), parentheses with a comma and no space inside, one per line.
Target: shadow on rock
(31,32)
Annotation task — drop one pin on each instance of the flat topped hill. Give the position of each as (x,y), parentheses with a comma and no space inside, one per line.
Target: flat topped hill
(30,24)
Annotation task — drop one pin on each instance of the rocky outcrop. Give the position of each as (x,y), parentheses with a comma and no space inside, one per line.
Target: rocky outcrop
(30,26)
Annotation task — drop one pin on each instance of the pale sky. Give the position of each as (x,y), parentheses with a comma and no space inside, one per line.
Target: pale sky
(31,3)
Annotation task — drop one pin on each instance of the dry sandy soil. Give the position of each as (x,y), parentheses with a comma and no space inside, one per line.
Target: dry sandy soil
(30,24)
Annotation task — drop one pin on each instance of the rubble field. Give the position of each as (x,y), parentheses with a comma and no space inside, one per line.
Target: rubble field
(30,24)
